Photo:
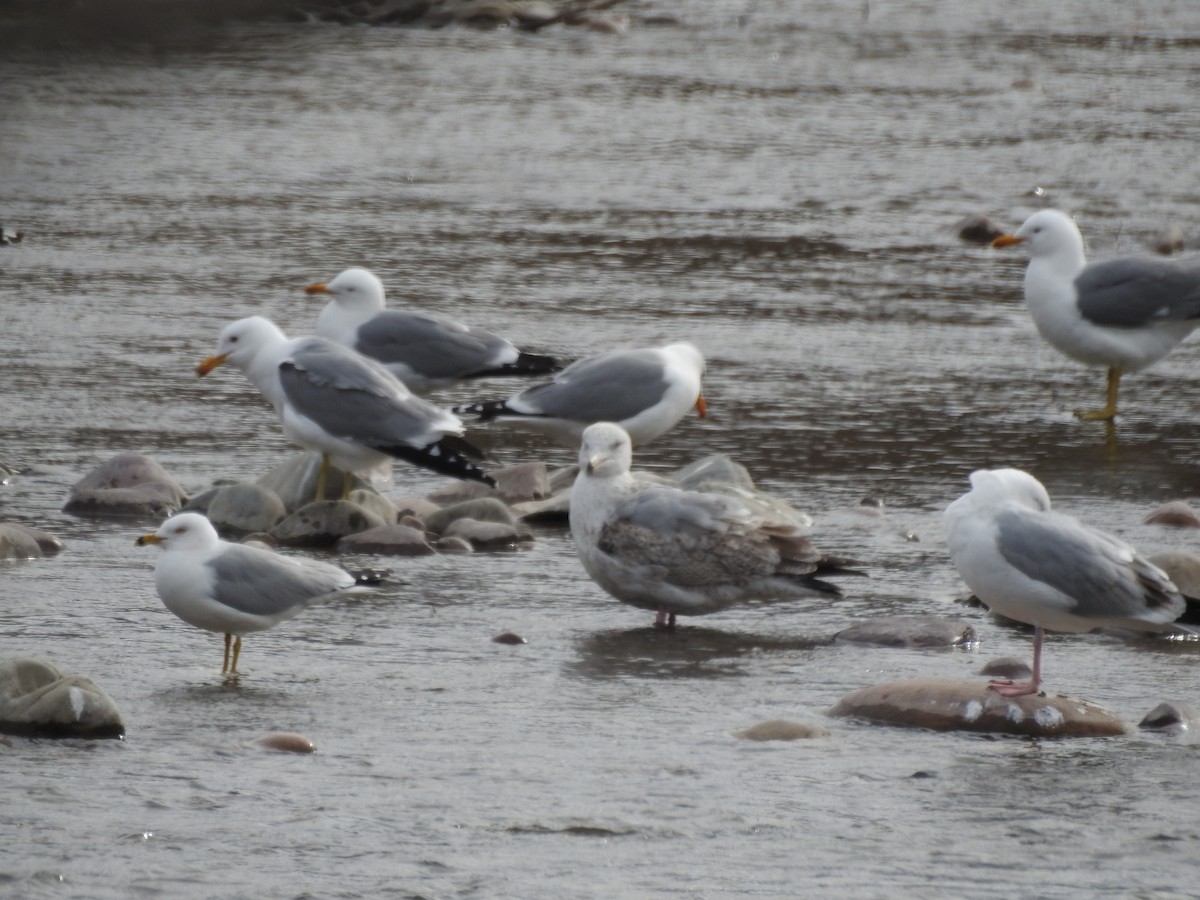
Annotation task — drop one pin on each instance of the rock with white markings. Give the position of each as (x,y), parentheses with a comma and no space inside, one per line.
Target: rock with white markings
(37,699)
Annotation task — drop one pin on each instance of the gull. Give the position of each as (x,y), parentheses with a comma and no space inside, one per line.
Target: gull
(645,391)
(1125,314)
(681,552)
(1026,562)
(421,349)
(234,589)
(346,407)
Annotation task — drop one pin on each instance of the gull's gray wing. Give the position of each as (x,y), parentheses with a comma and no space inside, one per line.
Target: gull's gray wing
(356,398)
(607,388)
(1133,292)
(1105,577)
(432,346)
(261,583)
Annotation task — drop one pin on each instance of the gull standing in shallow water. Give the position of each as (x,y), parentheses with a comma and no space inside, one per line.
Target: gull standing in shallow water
(1048,570)
(681,552)
(645,391)
(1125,314)
(346,407)
(233,589)
(421,349)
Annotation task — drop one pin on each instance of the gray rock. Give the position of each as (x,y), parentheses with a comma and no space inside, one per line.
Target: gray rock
(524,482)
(453,545)
(977,228)
(487,535)
(387,540)
(460,492)
(552,509)
(563,479)
(1169,718)
(973,706)
(909,631)
(128,485)
(1176,514)
(482,509)
(22,542)
(199,503)
(414,506)
(323,523)
(1183,568)
(245,508)
(373,502)
(294,481)
(715,468)
(39,700)
(781,730)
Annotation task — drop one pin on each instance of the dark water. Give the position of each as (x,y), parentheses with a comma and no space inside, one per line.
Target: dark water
(777,182)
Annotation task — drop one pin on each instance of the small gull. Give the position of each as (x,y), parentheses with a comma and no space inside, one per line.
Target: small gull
(680,552)
(645,391)
(348,408)
(1125,314)
(421,349)
(1049,570)
(234,589)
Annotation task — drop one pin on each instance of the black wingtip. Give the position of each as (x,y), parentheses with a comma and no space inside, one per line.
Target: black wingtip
(449,456)
(527,364)
(484,411)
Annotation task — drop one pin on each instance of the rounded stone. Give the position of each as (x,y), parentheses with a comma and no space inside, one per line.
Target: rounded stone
(781,730)
(17,543)
(1169,717)
(522,483)
(127,485)
(37,699)
(487,535)
(387,540)
(909,631)
(323,523)
(482,509)
(1176,514)
(244,508)
(286,742)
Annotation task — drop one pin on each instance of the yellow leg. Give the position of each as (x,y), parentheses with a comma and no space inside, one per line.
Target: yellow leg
(1110,405)
(323,477)
(237,650)
(347,484)
(225,662)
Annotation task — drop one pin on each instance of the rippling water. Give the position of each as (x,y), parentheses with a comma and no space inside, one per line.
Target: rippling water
(779,183)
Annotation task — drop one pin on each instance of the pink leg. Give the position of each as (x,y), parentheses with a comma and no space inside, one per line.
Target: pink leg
(665,620)
(1009,688)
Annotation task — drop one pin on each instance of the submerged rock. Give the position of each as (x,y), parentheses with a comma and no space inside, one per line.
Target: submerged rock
(129,484)
(909,631)
(22,542)
(37,699)
(781,730)
(1176,514)
(286,742)
(1169,718)
(973,706)
(977,228)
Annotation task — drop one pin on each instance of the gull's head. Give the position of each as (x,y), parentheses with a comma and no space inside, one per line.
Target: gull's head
(689,359)
(356,289)
(995,486)
(240,342)
(186,531)
(1048,232)
(606,451)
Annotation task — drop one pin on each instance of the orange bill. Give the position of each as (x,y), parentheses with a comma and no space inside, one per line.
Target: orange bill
(209,363)
(318,288)
(701,407)
(147,539)
(1007,240)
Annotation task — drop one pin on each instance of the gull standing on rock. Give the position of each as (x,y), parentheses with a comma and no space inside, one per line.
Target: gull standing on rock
(346,407)
(234,589)
(680,552)
(421,349)
(1125,314)
(645,391)
(1028,563)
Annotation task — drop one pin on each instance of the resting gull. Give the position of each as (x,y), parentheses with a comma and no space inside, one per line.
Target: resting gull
(233,589)
(348,408)
(1049,570)
(645,391)
(1125,314)
(681,552)
(421,349)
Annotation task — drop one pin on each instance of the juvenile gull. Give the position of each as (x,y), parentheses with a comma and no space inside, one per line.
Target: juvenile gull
(1028,563)
(348,408)
(233,589)
(681,552)
(421,349)
(1125,314)
(645,391)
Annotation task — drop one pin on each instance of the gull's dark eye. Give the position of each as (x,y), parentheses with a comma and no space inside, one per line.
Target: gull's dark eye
(182,529)
(233,339)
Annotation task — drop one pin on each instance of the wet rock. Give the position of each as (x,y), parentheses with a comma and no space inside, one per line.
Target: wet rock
(8,237)
(1007,667)
(129,484)
(413,522)
(244,508)
(199,503)
(373,502)
(286,742)
(553,509)
(977,229)
(453,545)
(483,509)
(387,540)
(1176,514)
(522,483)
(973,706)
(717,468)
(909,631)
(459,492)
(781,730)
(1169,240)
(487,535)
(1183,569)
(562,479)
(294,481)
(23,542)
(417,507)
(1169,718)
(509,638)
(37,699)
(323,523)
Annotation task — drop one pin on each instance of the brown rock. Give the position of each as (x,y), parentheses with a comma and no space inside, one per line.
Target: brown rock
(781,730)
(387,540)
(1176,514)
(977,229)
(129,484)
(323,523)
(909,631)
(286,742)
(973,706)
(487,535)
(524,482)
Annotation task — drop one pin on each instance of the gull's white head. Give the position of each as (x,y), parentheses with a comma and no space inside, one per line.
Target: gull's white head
(689,359)
(1012,485)
(1047,233)
(186,531)
(241,341)
(606,451)
(354,289)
